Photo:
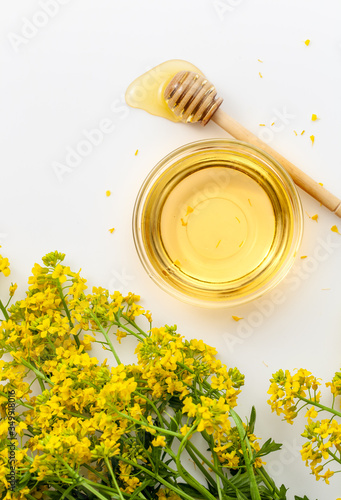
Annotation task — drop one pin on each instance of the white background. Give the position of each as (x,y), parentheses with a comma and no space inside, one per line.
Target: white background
(71,73)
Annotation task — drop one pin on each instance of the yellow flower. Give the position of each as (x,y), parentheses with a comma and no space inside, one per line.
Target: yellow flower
(311,413)
(159,441)
(60,273)
(4,266)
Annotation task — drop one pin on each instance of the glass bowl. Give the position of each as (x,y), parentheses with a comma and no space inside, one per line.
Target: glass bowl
(217,223)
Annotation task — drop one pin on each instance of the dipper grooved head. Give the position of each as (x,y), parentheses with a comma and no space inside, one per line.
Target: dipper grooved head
(192,98)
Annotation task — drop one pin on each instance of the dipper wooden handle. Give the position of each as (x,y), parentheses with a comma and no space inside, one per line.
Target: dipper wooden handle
(194,99)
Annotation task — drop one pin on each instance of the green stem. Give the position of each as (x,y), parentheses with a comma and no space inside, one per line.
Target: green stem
(70,497)
(114,478)
(132,323)
(131,332)
(184,474)
(200,466)
(4,312)
(67,491)
(66,309)
(147,424)
(216,465)
(319,405)
(268,481)
(334,456)
(100,327)
(247,453)
(142,396)
(94,471)
(86,485)
(39,374)
(207,462)
(156,476)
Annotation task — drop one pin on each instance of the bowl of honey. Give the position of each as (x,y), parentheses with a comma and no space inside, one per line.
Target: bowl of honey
(217,223)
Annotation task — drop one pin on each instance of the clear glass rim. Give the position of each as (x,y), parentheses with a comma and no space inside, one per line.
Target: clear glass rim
(225,144)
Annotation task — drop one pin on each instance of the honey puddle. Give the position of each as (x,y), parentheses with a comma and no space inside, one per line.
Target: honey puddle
(146,92)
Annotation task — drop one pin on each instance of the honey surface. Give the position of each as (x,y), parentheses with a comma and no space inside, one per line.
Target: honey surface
(217,226)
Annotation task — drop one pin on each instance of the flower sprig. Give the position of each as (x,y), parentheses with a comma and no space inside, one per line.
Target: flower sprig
(87,430)
(291,394)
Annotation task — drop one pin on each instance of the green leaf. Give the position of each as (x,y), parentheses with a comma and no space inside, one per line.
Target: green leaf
(268,447)
(186,488)
(302,498)
(252,420)
(24,480)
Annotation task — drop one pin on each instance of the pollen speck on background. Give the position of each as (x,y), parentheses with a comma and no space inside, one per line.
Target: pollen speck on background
(108,193)
(136,152)
(335,229)
(307,42)
(314,117)
(236,318)
(312,138)
(315,217)
(111,230)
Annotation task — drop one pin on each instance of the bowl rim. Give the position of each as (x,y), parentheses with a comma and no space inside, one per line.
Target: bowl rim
(205,144)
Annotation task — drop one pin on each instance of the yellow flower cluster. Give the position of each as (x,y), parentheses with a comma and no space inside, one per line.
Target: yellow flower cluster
(293,393)
(104,430)
(285,389)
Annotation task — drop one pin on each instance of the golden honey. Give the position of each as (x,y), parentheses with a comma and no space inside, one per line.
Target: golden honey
(217,222)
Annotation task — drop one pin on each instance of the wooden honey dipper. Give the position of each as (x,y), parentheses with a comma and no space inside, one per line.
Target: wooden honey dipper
(192,98)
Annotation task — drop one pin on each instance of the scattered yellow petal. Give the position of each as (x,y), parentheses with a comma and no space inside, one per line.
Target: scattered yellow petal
(273,123)
(304,256)
(249,202)
(108,193)
(112,230)
(260,74)
(312,138)
(238,219)
(262,124)
(315,217)
(307,42)
(183,222)
(295,132)
(321,183)
(236,318)
(189,210)
(218,243)
(260,60)
(136,152)
(302,132)
(177,263)
(335,229)
(314,117)
(265,364)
